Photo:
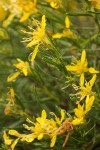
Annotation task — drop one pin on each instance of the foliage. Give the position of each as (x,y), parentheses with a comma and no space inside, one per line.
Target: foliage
(49,79)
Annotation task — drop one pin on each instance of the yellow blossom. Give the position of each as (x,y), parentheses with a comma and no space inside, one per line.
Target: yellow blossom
(66,32)
(38,36)
(81,66)
(39,129)
(79,113)
(85,89)
(19,8)
(23,67)
(82,110)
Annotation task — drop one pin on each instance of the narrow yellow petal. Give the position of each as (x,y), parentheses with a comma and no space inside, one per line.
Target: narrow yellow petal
(89,103)
(67,22)
(13,76)
(92,70)
(83,56)
(71,68)
(14,132)
(32,43)
(44,115)
(92,80)
(82,79)
(14,143)
(25,71)
(43,22)
(34,53)
(53,141)
(57,35)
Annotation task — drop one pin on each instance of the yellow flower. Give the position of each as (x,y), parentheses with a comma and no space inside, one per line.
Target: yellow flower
(12,143)
(19,8)
(55,3)
(38,35)
(81,66)
(66,32)
(81,111)
(96,3)
(41,127)
(86,90)
(23,67)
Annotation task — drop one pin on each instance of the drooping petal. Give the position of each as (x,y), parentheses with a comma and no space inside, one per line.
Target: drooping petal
(53,141)
(13,76)
(92,70)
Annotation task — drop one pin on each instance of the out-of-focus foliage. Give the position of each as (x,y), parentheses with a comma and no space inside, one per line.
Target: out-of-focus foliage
(35,53)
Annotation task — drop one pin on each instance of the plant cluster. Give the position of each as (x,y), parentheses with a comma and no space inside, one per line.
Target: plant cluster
(50,62)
